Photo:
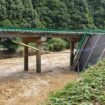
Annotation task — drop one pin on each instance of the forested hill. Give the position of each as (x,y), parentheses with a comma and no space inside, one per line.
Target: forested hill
(66,14)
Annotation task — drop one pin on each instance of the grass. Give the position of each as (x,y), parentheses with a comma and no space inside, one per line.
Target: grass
(89,90)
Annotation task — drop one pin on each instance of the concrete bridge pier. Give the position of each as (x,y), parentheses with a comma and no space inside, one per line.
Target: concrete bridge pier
(72,43)
(38,55)
(26,57)
(36,40)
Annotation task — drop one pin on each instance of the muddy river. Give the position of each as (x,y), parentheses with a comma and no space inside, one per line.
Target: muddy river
(20,88)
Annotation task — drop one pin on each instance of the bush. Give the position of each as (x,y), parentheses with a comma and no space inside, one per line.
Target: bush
(45,46)
(9,45)
(6,23)
(68,43)
(90,90)
(56,44)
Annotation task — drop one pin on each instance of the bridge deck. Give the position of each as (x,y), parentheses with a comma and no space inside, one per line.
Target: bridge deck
(31,32)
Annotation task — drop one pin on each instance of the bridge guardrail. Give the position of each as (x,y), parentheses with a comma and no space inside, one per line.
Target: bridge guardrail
(46,30)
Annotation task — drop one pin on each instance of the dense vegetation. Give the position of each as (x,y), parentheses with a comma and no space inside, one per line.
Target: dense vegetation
(90,90)
(59,14)
(67,14)
(56,44)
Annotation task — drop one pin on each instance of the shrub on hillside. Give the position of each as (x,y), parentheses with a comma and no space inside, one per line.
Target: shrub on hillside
(56,44)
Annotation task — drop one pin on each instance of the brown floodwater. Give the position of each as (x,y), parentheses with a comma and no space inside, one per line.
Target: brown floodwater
(20,88)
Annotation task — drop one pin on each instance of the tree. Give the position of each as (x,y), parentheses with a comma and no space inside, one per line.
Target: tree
(3,10)
(14,11)
(8,44)
(79,14)
(98,12)
(29,13)
(66,14)
(52,14)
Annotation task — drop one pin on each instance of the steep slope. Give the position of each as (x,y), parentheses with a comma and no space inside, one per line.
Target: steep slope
(68,14)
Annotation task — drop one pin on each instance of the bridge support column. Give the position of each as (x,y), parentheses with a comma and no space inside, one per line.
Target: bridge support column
(38,55)
(25,57)
(72,43)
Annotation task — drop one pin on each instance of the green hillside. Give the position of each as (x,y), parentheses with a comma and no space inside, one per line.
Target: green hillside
(90,90)
(68,14)
(55,14)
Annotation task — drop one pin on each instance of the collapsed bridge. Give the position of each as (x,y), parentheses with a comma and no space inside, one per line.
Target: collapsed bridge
(91,45)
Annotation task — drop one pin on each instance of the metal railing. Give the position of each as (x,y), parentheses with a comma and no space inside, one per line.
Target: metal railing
(45,30)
